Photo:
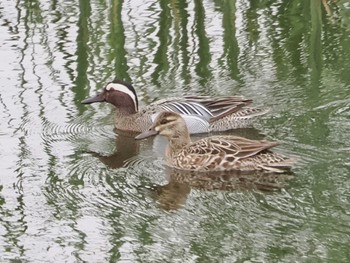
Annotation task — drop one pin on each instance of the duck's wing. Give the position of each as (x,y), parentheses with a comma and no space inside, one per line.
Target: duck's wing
(233,153)
(186,108)
(237,147)
(213,114)
(205,106)
(220,107)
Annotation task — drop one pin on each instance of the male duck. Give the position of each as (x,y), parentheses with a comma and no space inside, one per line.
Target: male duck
(201,113)
(216,153)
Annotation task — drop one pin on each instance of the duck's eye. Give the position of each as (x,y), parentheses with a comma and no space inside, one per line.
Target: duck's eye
(163,121)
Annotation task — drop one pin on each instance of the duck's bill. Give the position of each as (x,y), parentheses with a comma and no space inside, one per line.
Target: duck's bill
(146,134)
(97,98)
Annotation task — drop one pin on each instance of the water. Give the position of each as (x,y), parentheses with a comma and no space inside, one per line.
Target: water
(72,190)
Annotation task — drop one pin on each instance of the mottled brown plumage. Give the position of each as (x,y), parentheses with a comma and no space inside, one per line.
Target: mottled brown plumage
(216,153)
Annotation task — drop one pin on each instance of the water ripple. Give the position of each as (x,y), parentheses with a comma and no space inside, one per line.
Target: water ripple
(74,131)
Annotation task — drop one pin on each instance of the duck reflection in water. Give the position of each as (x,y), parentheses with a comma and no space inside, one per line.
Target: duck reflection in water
(127,148)
(173,195)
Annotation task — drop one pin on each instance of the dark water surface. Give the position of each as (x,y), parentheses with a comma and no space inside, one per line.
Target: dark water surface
(72,190)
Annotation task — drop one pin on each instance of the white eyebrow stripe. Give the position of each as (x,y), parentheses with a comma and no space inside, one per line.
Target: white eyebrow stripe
(124,89)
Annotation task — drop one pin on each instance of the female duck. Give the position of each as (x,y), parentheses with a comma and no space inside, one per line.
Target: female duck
(201,113)
(216,153)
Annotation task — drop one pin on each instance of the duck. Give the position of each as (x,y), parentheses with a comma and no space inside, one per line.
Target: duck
(202,113)
(214,153)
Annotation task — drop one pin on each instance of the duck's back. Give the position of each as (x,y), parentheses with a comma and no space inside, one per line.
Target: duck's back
(225,153)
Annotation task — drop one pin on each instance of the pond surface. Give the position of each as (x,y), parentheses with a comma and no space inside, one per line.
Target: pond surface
(72,190)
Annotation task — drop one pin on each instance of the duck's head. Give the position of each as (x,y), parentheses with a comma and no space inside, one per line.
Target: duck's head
(119,93)
(169,124)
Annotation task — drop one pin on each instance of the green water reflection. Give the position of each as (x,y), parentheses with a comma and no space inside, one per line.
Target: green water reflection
(72,190)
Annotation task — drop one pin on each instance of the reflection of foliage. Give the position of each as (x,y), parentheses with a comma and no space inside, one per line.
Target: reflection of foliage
(338,10)
(2,199)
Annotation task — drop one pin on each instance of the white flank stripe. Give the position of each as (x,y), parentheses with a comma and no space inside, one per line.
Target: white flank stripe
(124,89)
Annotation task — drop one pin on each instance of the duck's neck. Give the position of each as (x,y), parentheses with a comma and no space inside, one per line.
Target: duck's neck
(131,121)
(177,142)
(123,111)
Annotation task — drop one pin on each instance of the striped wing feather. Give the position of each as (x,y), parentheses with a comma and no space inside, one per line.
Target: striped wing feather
(187,108)
(210,108)
(220,107)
